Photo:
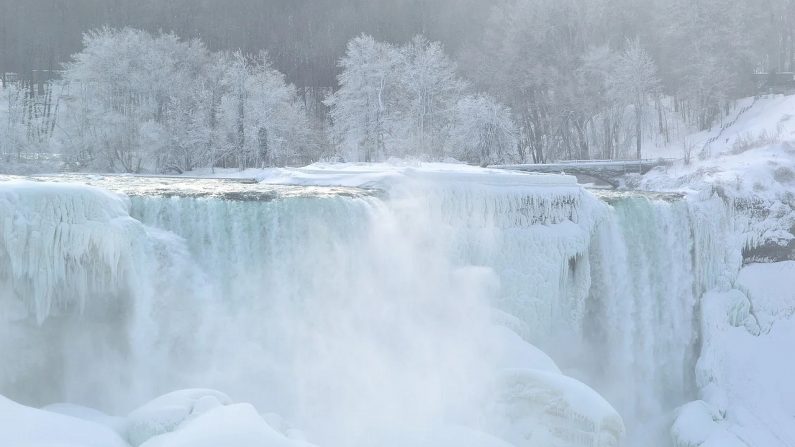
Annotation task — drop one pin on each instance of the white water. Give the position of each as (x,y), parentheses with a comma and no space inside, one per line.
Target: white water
(360,319)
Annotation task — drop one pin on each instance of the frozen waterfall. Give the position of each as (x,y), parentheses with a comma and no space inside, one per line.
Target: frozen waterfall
(362,317)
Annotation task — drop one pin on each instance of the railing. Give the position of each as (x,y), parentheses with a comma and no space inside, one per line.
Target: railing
(731,123)
(30,156)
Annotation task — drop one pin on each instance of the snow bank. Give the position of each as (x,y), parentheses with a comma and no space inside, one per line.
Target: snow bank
(117,424)
(188,418)
(236,425)
(22,426)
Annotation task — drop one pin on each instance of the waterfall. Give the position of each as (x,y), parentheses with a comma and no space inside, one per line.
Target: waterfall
(347,312)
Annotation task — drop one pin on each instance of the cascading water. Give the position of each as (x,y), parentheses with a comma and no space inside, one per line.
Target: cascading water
(362,320)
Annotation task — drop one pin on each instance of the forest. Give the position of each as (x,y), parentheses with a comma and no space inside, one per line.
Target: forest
(140,87)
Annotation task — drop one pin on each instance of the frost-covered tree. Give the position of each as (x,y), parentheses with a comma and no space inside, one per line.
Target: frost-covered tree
(363,108)
(277,118)
(483,132)
(394,101)
(261,117)
(120,86)
(429,91)
(12,130)
(189,110)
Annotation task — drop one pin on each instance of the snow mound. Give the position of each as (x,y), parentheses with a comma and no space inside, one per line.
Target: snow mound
(167,412)
(237,425)
(22,426)
(699,424)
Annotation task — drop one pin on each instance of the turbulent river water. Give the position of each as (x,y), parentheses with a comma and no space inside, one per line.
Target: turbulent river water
(363,316)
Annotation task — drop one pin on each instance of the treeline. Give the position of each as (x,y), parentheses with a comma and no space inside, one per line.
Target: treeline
(134,102)
(516,80)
